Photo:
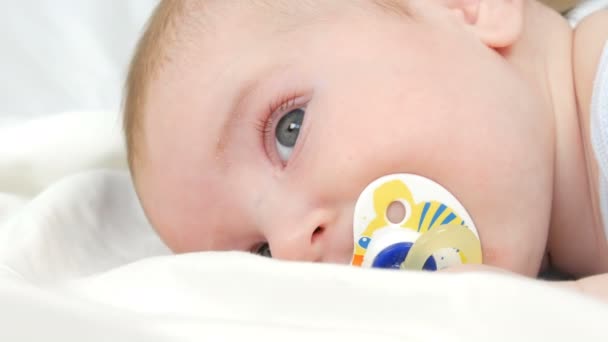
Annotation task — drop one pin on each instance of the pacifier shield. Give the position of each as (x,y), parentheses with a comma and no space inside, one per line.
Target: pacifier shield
(380,240)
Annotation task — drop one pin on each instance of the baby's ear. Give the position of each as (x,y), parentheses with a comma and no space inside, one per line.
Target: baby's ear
(497,23)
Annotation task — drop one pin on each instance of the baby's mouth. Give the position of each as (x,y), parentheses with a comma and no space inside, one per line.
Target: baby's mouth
(406,221)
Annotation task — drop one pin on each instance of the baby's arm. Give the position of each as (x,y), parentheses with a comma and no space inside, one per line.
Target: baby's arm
(595,286)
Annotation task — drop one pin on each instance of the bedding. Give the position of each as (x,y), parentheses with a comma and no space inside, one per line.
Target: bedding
(79,261)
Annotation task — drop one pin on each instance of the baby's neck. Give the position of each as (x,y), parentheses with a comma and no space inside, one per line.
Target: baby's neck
(576,242)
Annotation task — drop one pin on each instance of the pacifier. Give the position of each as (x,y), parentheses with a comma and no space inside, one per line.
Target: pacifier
(406,221)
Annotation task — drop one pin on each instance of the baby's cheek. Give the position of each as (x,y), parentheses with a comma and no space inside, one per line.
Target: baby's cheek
(495,255)
(512,255)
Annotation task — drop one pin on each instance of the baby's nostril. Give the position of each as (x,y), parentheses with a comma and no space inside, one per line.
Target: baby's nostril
(316,234)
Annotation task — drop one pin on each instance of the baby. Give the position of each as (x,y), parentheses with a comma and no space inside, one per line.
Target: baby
(254,125)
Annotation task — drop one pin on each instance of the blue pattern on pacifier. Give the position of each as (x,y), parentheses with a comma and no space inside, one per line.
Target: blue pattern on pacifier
(364,242)
(393,256)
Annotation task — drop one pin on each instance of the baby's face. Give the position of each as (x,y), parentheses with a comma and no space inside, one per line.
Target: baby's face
(264,129)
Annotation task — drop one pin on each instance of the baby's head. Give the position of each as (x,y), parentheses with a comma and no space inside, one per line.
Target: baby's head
(255,125)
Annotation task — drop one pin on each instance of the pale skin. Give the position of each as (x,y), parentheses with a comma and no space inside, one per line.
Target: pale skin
(478,95)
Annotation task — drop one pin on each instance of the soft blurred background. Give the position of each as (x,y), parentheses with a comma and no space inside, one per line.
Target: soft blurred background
(66,55)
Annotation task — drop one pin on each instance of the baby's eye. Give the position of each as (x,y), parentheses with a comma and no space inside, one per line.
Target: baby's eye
(263,250)
(287,132)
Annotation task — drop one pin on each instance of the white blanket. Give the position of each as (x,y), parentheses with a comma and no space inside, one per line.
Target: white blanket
(78,261)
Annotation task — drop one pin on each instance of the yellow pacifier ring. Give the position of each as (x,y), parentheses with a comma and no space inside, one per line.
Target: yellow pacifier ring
(457,237)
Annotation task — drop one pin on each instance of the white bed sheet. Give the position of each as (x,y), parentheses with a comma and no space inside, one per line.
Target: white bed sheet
(78,260)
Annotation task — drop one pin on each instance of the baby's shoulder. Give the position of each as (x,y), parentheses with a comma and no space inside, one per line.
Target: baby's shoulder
(590,37)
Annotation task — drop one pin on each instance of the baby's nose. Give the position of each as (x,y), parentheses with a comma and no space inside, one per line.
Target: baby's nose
(301,244)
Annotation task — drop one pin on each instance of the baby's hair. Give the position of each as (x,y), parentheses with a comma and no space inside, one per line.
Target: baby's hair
(163,34)
(150,54)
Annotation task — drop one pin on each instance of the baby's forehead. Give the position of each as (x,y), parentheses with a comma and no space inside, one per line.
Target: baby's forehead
(286,14)
(210,30)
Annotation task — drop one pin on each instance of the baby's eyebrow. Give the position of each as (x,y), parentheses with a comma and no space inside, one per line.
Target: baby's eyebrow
(233,115)
(248,90)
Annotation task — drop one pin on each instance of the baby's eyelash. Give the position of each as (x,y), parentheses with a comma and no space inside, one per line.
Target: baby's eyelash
(264,125)
(283,103)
